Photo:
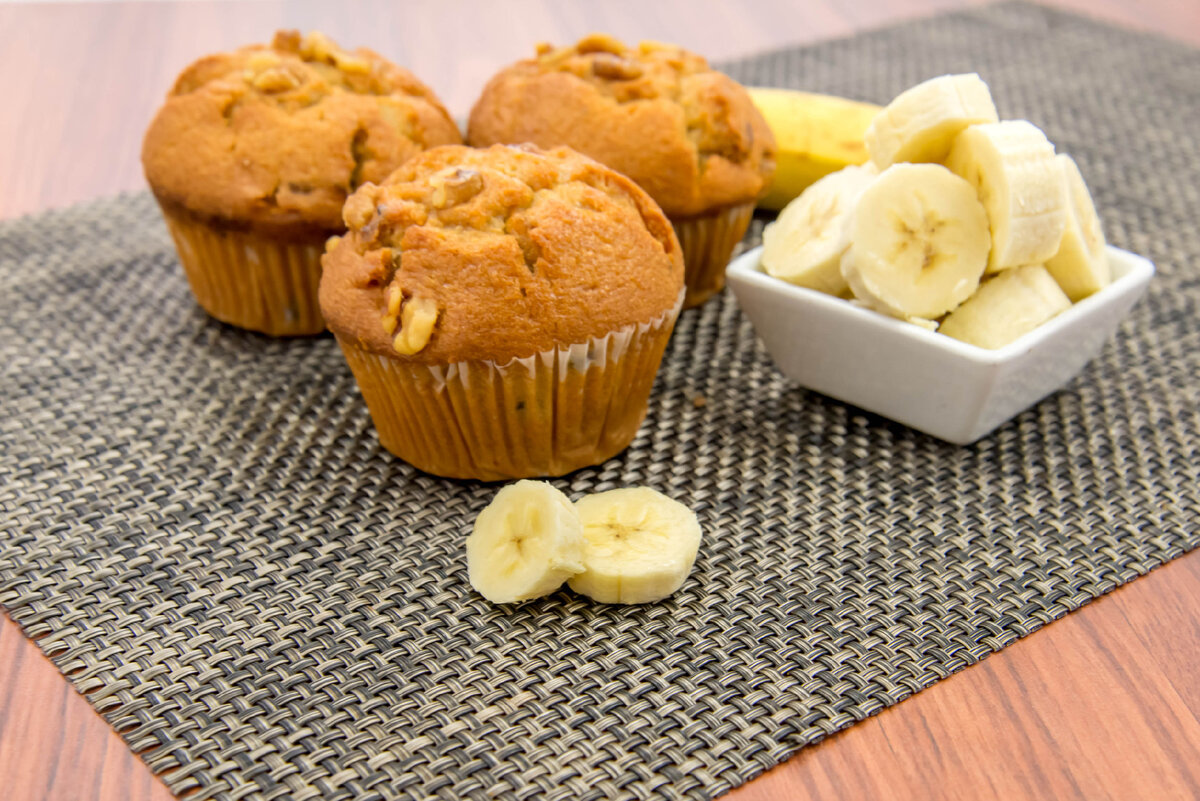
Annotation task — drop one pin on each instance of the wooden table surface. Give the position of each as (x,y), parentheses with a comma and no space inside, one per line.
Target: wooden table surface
(1102,704)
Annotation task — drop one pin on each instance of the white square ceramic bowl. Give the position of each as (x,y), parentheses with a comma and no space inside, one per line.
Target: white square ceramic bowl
(944,387)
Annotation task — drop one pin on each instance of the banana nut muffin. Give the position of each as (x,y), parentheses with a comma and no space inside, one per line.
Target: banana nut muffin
(253,154)
(504,311)
(689,135)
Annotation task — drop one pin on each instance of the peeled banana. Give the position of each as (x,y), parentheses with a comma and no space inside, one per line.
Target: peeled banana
(1020,183)
(1081,265)
(920,124)
(639,546)
(525,543)
(804,245)
(1006,307)
(814,134)
(919,242)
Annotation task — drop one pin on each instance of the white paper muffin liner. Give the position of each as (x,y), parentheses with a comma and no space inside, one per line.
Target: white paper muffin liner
(251,280)
(707,243)
(543,415)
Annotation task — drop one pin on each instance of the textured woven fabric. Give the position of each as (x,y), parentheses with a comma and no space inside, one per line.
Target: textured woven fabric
(198,525)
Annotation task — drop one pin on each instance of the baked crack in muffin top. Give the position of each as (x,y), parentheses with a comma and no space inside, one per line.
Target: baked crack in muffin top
(279,136)
(495,254)
(689,135)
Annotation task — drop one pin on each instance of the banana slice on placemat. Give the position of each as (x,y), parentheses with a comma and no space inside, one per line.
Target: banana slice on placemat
(639,545)
(524,544)
(625,546)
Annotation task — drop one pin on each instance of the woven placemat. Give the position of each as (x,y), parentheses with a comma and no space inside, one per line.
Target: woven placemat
(200,529)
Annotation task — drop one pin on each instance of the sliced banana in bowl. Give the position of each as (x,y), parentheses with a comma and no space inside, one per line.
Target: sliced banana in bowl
(974,276)
(1080,265)
(804,246)
(921,123)
(949,389)
(1021,184)
(914,240)
(918,242)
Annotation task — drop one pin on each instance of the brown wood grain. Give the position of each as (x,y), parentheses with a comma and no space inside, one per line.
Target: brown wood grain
(1103,704)
(97,71)
(103,68)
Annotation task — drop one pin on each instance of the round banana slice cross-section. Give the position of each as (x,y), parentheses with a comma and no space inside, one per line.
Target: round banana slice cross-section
(804,246)
(1006,307)
(525,543)
(918,242)
(1081,264)
(639,546)
(920,124)
(1012,166)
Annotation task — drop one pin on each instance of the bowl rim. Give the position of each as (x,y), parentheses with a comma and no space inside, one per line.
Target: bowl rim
(1135,273)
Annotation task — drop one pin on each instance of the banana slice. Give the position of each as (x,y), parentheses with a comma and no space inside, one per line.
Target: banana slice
(1081,264)
(1012,166)
(525,543)
(639,546)
(804,246)
(922,122)
(1006,307)
(918,242)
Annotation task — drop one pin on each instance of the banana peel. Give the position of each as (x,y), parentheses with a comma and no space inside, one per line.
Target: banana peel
(814,134)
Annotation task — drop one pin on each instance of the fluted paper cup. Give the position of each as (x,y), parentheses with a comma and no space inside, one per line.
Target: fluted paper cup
(543,415)
(249,279)
(707,242)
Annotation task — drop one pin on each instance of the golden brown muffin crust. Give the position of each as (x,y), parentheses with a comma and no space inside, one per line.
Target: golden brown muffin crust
(688,135)
(279,136)
(508,252)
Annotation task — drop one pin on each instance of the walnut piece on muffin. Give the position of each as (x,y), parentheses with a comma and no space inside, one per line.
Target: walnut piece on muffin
(276,137)
(687,134)
(496,254)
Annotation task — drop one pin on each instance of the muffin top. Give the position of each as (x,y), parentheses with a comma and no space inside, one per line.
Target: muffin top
(496,254)
(690,136)
(279,136)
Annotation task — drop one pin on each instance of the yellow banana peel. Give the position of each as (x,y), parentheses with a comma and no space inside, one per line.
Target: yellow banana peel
(815,135)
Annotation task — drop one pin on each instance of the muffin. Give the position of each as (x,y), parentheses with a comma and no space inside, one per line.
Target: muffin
(504,311)
(253,154)
(688,135)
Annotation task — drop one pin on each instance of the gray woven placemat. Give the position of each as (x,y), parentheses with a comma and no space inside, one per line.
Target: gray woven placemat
(200,529)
